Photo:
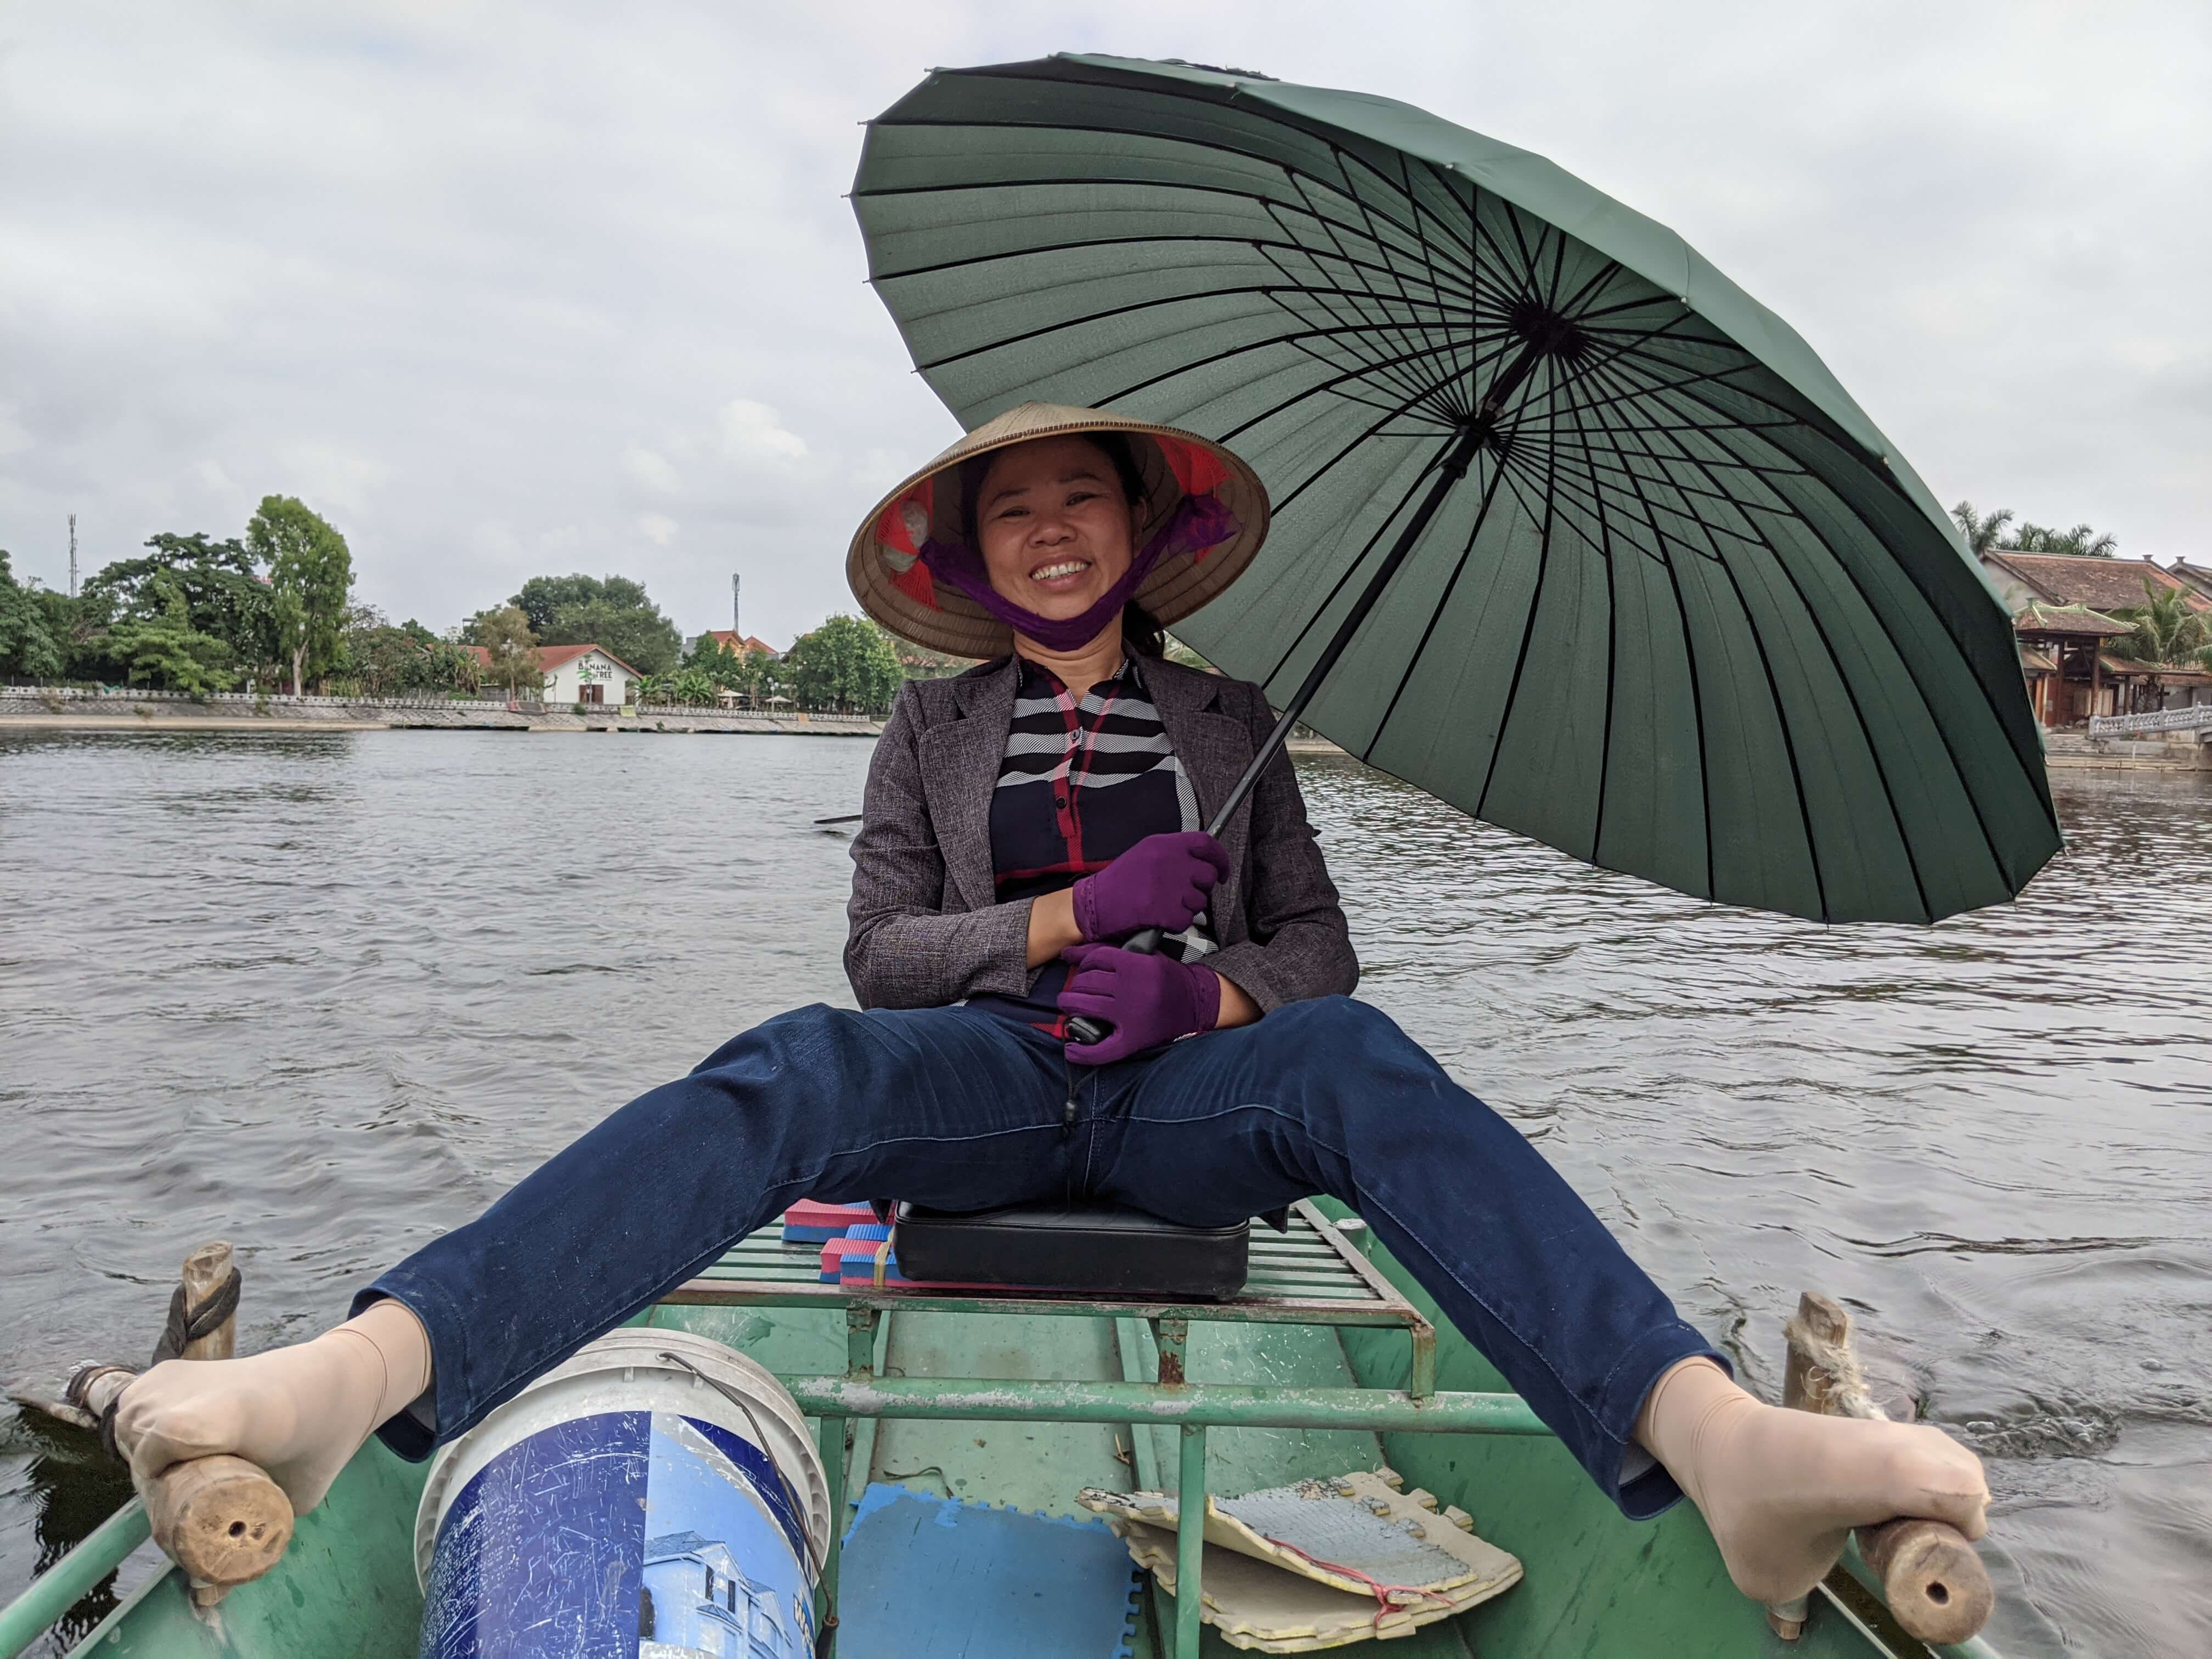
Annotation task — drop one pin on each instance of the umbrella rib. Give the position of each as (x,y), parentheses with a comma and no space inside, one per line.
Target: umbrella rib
(1274,163)
(1314,477)
(1773,693)
(1263,290)
(1319,132)
(1037,249)
(2029,771)
(1367,215)
(1627,351)
(1612,647)
(1366,325)
(1520,658)
(1435,616)
(1690,657)
(1788,509)
(1943,733)
(1430,260)
(1474,278)
(1594,460)
(1660,386)
(1352,569)
(1734,462)
(1866,732)
(1329,386)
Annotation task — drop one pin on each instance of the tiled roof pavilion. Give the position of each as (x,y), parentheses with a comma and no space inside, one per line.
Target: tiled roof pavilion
(2100,584)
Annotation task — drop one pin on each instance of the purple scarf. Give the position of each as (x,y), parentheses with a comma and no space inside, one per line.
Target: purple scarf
(1198,525)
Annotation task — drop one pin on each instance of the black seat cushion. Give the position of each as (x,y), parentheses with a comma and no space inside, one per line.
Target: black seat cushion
(1098,1248)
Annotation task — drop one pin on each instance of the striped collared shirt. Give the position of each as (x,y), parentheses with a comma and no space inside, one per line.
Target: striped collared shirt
(1084,780)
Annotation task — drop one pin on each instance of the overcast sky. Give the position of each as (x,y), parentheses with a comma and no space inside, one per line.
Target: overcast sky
(511,289)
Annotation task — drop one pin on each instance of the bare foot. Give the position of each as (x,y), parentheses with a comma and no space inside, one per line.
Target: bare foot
(1782,1489)
(299,1412)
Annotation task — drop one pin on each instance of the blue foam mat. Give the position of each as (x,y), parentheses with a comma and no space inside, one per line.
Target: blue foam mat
(927,1577)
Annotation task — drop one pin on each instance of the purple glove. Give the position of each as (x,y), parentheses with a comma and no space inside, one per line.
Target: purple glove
(1162,882)
(1147,1000)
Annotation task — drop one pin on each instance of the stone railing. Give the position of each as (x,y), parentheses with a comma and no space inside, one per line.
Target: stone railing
(2196,717)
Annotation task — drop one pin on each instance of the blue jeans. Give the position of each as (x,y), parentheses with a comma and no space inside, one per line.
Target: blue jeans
(961,1109)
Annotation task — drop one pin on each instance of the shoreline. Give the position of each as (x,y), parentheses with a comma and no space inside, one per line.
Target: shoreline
(178,714)
(141,718)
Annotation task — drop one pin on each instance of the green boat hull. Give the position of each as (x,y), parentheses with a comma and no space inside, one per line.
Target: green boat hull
(1595,1584)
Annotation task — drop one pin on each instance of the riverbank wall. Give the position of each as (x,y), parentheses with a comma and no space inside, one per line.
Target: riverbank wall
(49,708)
(2073,751)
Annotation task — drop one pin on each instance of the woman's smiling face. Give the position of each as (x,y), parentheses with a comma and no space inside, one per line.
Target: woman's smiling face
(1053,528)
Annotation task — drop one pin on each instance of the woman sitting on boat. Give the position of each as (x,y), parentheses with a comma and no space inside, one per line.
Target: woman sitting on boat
(1022,821)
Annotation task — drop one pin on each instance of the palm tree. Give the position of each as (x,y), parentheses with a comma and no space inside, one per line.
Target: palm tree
(1984,535)
(2080,542)
(2166,629)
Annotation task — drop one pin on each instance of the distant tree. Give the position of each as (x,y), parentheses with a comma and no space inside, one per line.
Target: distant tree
(458,668)
(719,664)
(2168,630)
(166,650)
(849,663)
(691,685)
(613,612)
(919,662)
(1984,534)
(28,649)
(2081,542)
(505,634)
(220,581)
(311,569)
(1183,656)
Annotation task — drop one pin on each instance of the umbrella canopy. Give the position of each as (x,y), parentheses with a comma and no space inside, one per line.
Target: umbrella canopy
(1625,568)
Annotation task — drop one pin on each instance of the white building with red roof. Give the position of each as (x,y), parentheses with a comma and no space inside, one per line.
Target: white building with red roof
(579,673)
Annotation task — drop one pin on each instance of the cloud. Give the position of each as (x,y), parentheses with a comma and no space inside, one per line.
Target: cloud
(753,432)
(651,470)
(440,269)
(658,528)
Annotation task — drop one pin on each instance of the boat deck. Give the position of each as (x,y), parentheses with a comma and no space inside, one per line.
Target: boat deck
(1277,1334)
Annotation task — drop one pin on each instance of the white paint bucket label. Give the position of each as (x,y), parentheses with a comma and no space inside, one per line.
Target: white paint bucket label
(622,1533)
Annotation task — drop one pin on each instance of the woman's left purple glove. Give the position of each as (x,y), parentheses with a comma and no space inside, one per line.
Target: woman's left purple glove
(1147,1000)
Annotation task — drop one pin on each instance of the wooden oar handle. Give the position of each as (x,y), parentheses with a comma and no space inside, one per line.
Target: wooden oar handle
(1931,1577)
(221,1519)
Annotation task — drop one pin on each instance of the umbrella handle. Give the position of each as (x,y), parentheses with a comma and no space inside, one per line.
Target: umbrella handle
(1145,942)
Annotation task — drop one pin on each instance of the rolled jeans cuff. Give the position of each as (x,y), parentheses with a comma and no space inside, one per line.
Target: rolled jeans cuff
(1639,1482)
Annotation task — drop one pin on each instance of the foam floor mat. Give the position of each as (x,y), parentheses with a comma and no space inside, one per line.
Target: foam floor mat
(927,1577)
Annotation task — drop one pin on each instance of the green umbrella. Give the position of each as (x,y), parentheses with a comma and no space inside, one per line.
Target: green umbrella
(1569,531)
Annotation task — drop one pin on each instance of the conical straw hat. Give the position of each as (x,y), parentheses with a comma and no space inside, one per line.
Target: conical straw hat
(896,587)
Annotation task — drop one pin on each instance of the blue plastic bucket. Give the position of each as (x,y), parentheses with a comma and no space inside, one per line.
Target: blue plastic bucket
(656,1496)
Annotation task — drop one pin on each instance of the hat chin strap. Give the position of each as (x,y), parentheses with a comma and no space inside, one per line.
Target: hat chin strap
(1198,525)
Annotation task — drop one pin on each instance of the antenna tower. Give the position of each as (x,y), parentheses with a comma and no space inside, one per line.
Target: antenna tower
(72,555)
(737,626)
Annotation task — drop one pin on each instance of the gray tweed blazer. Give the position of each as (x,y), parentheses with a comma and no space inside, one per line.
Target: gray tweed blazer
(927,926)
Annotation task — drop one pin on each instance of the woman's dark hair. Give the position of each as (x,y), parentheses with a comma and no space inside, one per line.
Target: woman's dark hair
(1140,632)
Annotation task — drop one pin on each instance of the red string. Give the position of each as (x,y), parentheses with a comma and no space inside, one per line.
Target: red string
(1381,1592)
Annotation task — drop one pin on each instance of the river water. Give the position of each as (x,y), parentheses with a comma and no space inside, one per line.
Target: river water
(328,994)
